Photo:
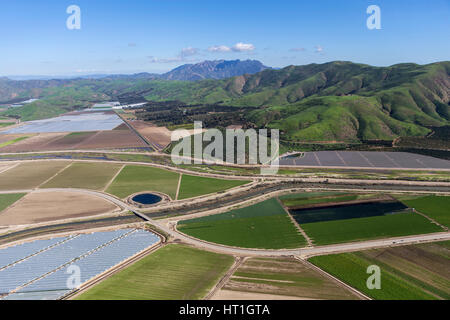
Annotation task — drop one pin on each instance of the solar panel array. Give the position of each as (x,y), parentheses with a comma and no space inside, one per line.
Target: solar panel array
(14,254)
(366,159)
(45,274)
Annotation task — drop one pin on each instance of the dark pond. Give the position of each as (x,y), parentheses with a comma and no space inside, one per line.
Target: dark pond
(147,198)
(362,210)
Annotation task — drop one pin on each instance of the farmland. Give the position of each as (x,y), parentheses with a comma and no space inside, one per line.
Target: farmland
(394,225)
(305,199)
(38,207)
(342,212)
(133,179)
(172,272)
(13,141)
(110,139)
(84,176)
(434,207)
(407,272)
(35,142)
(29,175)
(8,199)
(193,186)
(264,225)
(280,278)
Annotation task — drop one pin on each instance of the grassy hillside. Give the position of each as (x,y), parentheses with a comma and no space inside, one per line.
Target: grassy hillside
(335,101)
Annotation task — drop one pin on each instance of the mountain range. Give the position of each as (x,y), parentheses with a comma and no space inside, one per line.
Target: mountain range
(216,69)
(335,101)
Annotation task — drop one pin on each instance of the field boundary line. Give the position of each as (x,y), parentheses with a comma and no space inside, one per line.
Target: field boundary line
(365,158)
(317,159)
(342,159)
(113,178)
(55,175)
(238,261)
(179,185)
(9,168)
(430,219)
(13,204)
(88,139)
(136,132)
(296,224)
(333,278)
(392,160)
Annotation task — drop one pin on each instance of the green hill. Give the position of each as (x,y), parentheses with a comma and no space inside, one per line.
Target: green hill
(335,101)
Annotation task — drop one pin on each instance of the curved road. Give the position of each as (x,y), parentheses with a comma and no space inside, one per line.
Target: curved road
(301,252)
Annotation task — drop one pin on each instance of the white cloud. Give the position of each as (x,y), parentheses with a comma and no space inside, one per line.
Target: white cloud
(153,59)
(187,52)
(319,49)
(219,49)
(238,47)
(242,47)
(181,57)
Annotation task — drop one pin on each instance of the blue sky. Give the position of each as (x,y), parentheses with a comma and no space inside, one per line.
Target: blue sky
(130,36)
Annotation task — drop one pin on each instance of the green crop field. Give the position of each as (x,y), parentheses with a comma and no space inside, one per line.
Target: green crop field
(308,195)
(303,201)
(393,225)
(435,207)
(264,225)
(174,272)
(407,272)
(193,186)
(29,175)
(133,179)
(84,176)
(8,199)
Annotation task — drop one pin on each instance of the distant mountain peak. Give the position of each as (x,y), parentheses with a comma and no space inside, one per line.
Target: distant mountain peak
(214,69)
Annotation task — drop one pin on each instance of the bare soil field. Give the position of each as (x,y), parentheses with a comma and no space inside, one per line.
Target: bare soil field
(123,126)
(40,207)
(37,142)
(29,175)
(282,277)
(238,295)
(4,166)
(156,135)
(69,141)
(112,139)
(9,137)
(117,138)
